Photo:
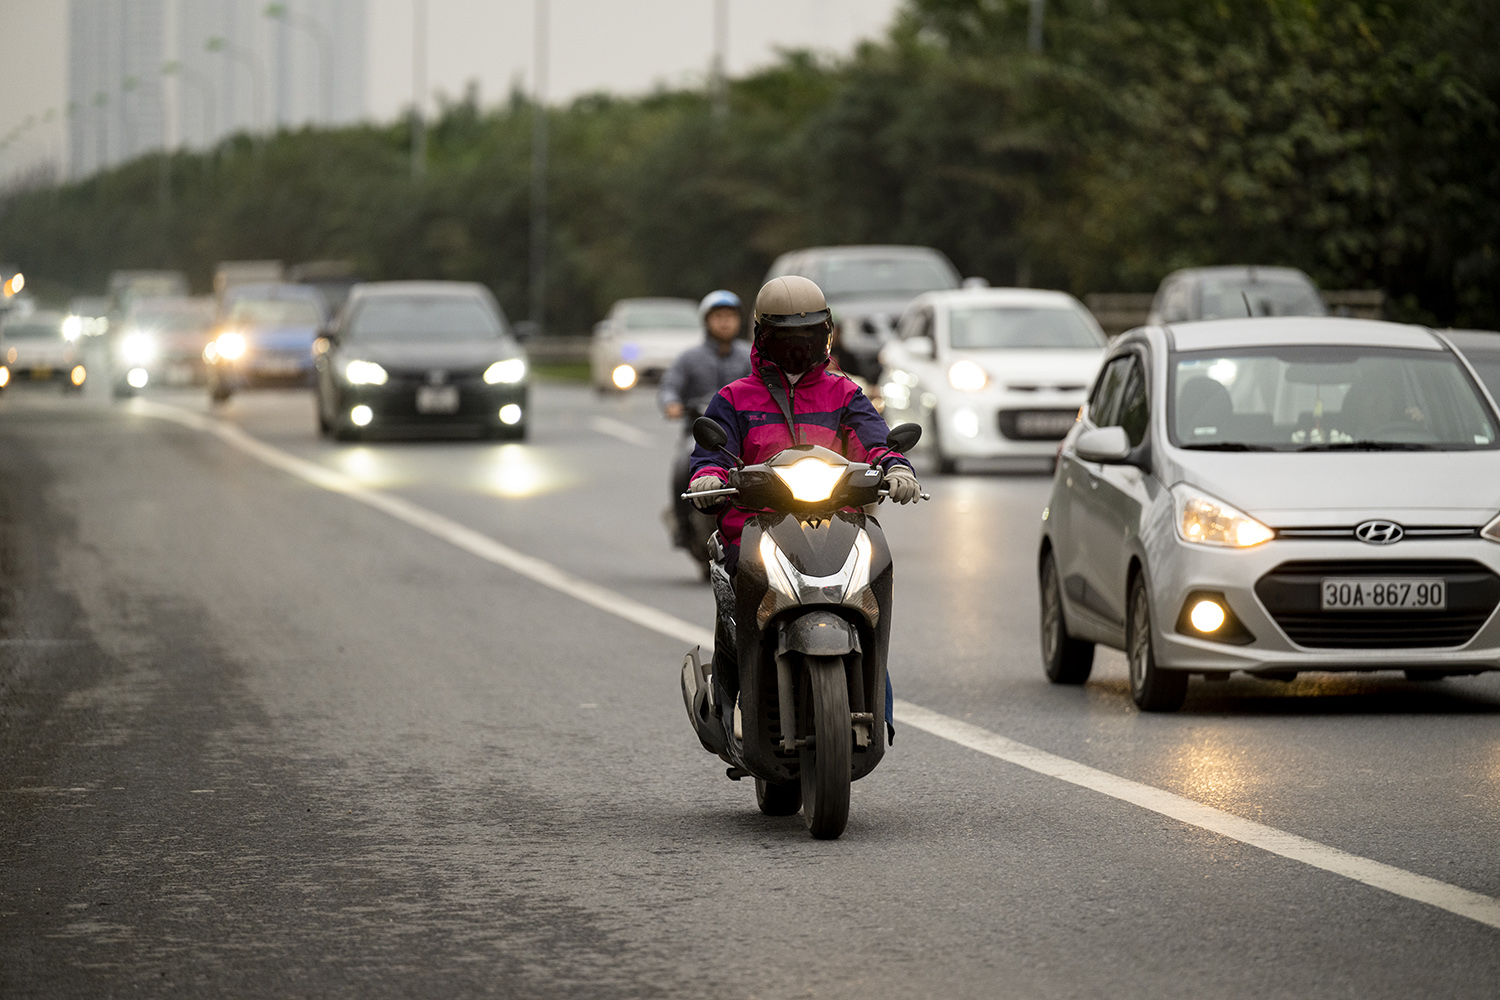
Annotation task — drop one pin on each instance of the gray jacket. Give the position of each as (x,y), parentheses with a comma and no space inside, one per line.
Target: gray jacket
(699,372)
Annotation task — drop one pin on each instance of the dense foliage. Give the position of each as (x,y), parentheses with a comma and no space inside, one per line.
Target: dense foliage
(1353,138)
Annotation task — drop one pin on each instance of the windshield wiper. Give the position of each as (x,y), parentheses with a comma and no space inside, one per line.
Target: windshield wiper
(1369,446)
(1227,446)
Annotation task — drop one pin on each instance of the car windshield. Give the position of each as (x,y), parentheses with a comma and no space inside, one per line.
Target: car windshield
(173,321)
(1326,398)
(1236,298)
(33,331)
(431,317)
(665,316)
(274,312)
(895,276)
(1018,329)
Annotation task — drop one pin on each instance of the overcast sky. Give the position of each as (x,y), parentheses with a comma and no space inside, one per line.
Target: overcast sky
(622,46)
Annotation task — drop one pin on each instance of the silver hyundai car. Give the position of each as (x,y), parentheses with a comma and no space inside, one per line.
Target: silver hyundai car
(1275,495)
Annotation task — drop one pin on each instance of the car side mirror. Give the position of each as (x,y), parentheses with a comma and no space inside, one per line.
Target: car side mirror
(1106,445)
(526,329)
(921,347)
(903,437)
(708,434)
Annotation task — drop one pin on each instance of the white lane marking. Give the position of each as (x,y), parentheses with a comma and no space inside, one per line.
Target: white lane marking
(622,431)
(1484,909)
(1409,885)
(449,531)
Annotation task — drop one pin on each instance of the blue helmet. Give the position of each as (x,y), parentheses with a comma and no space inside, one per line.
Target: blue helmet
(720,299)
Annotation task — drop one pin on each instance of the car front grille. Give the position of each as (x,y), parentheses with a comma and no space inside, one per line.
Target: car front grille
(1290,592)
(1036,425)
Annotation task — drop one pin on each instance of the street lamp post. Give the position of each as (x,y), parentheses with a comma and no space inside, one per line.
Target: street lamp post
(206,97)
(1034,29)
(418,89)
(251,61)
(539,171)
(721,59)
(280,11)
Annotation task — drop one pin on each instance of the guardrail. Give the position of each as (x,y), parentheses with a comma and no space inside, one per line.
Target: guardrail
(1121,311)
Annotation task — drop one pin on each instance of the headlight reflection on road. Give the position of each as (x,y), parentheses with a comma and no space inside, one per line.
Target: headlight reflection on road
(1213,774)
(516,470)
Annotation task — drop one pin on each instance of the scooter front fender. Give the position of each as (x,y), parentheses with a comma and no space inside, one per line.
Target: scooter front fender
(817,633)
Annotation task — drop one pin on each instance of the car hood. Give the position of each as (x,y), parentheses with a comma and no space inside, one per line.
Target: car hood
(1340,489)
(432,354)
(281,337)
(1032,370)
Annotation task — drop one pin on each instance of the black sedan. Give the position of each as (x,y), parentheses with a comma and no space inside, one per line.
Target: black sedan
(420,354)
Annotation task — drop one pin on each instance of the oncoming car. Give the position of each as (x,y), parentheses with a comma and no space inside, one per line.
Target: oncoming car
(1275,496)
(161,340)
(639,339)
(994,373)
(1235,292)
(421,354)
(265,337)
(37,347)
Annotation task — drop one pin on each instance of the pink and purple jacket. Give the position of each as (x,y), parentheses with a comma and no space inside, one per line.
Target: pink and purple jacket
(827,409)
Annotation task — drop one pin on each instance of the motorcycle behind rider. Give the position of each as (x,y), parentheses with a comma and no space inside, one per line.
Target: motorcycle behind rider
(789,398)
(696,375)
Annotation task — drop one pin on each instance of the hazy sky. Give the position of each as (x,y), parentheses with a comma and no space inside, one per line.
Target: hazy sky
(624,46)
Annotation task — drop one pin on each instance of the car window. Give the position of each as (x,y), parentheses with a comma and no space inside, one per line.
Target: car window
(1176,303)
(896,276)
(424,317)
(1106,398)
(1135,413)
(1236,298)
(1317,398)
(33,331)
(275,312)
(660,316)
(1016,328)
(917,323)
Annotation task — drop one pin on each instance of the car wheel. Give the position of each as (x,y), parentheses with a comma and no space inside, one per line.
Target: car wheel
(1152,688)
(1067,660)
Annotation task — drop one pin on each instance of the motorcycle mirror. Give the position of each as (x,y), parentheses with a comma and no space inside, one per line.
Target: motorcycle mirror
(708,433)
(903,437)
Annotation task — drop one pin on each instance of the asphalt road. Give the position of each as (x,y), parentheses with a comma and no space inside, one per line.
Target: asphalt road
(260,738)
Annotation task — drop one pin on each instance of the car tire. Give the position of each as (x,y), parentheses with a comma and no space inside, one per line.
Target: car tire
(1152,688)
(1065,659)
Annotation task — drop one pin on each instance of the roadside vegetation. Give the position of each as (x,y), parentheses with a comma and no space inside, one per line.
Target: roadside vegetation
(1352,138)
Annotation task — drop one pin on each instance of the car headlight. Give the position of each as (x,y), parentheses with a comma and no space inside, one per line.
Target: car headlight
(365,373)
(72,328)
(138,349)
(810,479)
(230,346)
(966,376)
(1204,520)
(507,371)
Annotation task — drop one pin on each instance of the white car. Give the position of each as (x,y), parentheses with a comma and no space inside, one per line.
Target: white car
(991,373)
(639,339)
(1274,496)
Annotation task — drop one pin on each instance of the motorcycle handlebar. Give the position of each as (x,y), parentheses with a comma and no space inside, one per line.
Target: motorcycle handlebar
(730,491)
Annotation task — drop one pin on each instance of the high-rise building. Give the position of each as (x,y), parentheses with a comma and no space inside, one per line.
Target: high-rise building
(148,74)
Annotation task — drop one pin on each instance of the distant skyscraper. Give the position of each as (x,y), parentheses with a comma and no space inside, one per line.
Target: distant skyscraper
(143,74)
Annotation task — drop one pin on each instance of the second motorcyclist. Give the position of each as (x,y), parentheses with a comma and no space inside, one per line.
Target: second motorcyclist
(789,398)
(694,377)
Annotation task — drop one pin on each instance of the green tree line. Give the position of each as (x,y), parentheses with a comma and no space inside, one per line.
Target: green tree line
(1356,139)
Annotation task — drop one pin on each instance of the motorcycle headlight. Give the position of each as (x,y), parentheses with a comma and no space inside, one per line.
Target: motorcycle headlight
(508,371)
(138,349)
(365,373)
(1205,520)
(966,376)
(230,346)
(810,479)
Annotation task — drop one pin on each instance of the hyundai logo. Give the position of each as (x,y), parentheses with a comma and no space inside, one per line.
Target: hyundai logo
(1380,532)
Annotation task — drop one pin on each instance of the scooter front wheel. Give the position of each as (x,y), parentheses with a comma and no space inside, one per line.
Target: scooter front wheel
(827,766)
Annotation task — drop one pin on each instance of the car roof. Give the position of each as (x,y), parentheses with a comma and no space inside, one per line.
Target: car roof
(1000,297)
(381,289)
(1248,272)
(867,250)
(1277,331)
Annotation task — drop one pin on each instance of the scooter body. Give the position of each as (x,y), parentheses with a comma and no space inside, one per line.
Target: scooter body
(812,617)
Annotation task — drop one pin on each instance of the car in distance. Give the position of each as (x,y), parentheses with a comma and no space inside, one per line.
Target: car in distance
(421,354)
(639,339)
(36,347)
(161,340)
(1235,292)
(1481,348)
(1274,496)
(264,336)
(867,288)
(992,373)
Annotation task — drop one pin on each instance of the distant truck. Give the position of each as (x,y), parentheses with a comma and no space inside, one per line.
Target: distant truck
(233,273)
(333,278)
(127,286)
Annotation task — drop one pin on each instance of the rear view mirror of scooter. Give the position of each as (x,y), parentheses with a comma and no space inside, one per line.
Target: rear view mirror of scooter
(708,433)
(903,437)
